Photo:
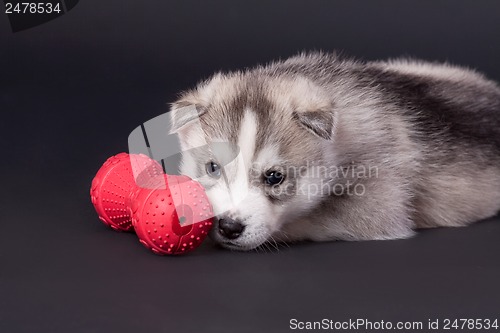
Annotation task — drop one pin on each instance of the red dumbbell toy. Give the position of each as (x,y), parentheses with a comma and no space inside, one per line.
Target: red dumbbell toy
(170,214)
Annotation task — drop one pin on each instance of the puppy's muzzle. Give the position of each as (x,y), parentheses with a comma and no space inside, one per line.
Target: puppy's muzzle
(230,228)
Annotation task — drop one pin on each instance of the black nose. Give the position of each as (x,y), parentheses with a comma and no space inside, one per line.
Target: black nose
(230,228)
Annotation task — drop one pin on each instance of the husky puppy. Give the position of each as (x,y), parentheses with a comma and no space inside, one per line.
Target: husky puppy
(323,148)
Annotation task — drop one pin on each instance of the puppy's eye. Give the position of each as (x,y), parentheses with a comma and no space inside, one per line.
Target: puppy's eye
(273,177)
(213,169)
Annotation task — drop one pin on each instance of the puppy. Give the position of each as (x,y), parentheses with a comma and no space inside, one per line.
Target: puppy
(322,148)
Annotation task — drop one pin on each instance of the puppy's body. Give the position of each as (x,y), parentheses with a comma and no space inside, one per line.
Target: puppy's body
(368,150)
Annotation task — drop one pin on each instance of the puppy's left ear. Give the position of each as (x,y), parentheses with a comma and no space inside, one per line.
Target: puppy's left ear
(183,114)
(321,122)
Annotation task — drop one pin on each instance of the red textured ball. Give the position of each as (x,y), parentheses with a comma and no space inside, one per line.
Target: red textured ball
(171,216)
(113,184)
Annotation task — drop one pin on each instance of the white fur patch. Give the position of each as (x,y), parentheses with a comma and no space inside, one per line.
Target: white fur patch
(219,198)
(299,94)
(239,169)
(247,137)
(267,157)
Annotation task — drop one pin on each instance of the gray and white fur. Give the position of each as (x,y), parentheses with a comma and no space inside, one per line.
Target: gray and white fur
(365,150)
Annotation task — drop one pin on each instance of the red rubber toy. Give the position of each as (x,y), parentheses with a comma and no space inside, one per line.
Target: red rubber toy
(170,214)
(171,219)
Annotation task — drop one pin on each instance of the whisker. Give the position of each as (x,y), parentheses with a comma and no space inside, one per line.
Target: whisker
(267,246)
(274,243)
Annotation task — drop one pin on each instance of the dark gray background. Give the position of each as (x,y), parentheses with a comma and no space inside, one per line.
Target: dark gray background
(71,91)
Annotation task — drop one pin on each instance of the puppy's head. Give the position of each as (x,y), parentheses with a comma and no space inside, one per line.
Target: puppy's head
(253,143)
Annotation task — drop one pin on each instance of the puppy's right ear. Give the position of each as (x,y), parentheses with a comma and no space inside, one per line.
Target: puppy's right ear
(183,114)
(321,123)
